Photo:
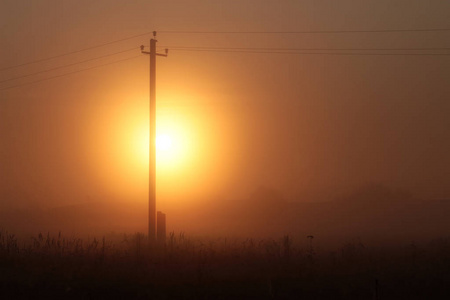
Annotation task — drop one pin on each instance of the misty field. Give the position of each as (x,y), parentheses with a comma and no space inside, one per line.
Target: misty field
(126,267)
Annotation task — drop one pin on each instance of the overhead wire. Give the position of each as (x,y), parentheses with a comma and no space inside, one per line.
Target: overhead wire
(229,51)
(68,65)
(312,53)
(76,51)
(65,74)
(298,51)
(307,31)
(304,49)
(227,32)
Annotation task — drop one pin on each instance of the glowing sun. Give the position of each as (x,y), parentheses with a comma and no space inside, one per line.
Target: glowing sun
(163,142)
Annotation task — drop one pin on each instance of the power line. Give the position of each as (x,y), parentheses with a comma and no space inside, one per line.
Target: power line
(226,32)
(241,50)
(307,31)
(68,65)
(77,51)
(65,74)
(304,49)
(314,53)
(237,51)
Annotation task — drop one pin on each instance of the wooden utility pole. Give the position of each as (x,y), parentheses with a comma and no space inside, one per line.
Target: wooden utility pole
(152,150)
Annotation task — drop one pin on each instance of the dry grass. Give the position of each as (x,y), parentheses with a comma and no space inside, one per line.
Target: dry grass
(56,266)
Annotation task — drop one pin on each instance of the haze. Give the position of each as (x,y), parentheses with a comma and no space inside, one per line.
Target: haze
(251,127)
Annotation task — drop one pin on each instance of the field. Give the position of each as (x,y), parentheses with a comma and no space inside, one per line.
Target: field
(126,267)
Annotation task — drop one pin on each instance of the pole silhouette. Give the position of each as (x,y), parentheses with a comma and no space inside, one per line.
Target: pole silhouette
(152,139)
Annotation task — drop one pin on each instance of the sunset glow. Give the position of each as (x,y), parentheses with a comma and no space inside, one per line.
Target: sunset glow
(224,149)
(172,147)
(163,143)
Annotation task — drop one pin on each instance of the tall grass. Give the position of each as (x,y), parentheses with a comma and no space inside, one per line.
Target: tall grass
(188,268)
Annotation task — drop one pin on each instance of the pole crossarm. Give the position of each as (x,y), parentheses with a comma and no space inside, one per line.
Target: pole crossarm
(157,54)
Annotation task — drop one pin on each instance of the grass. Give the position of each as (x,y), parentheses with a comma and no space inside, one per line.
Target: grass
(47,266)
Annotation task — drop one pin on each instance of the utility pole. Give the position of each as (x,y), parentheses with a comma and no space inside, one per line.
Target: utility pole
(152,150)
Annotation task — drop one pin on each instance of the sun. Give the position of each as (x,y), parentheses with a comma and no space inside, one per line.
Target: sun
(163,142)
(173,145)
(170,149)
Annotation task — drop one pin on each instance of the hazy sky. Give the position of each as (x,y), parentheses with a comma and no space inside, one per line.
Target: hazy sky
(309,125)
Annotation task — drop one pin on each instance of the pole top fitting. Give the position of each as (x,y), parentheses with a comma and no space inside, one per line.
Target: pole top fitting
(142,47)
(154,34)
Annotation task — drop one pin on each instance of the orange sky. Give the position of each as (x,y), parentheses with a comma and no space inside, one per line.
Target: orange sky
(311,126)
